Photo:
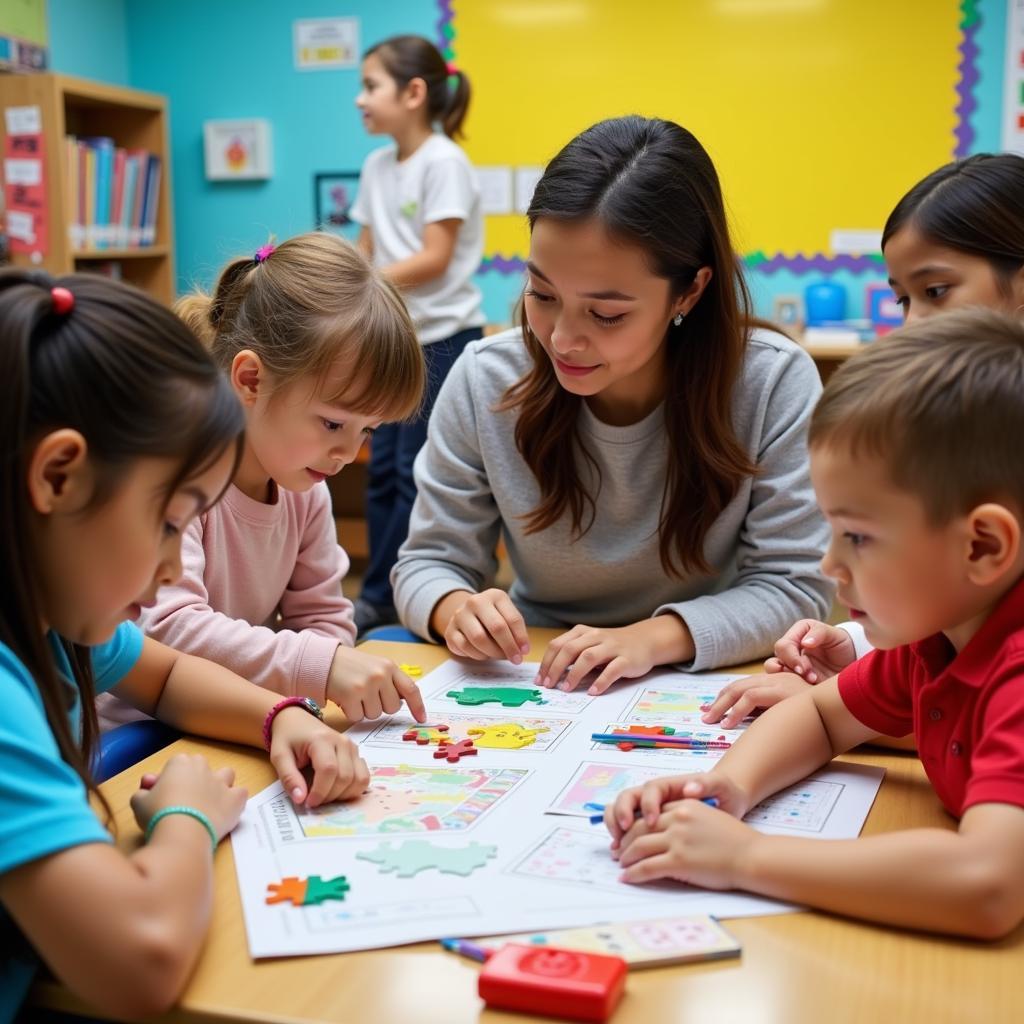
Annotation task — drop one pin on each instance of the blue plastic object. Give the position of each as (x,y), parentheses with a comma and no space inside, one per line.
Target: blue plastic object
(823,301)
(128,744)
(398,634)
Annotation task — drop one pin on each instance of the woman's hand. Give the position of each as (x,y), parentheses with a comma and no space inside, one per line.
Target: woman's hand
(299,740)
(625,652)
(483,626)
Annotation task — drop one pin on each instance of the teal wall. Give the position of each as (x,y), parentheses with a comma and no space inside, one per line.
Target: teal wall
(89,38)
(233,58)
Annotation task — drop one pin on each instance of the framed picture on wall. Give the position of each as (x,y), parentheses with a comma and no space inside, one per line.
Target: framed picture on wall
(334,192)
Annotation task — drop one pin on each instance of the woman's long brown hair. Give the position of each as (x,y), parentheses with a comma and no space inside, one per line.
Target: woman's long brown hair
(650,184)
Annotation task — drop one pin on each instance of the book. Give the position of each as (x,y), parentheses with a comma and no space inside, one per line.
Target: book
(667,940)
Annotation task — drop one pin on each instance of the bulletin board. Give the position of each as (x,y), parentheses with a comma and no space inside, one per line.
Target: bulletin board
(818,114)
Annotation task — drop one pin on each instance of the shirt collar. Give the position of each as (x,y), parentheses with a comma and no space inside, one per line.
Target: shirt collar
(973,665)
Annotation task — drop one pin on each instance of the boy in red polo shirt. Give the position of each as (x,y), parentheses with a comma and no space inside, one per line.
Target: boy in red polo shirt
(917,458)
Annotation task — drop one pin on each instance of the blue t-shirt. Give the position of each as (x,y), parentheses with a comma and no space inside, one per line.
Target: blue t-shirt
(43,804)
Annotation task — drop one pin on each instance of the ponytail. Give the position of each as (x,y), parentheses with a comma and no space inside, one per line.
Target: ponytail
(448,92)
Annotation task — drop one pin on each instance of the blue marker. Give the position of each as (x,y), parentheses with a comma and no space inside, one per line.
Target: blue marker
(596,819)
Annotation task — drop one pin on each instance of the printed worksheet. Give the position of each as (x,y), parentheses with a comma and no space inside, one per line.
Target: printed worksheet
(475,822)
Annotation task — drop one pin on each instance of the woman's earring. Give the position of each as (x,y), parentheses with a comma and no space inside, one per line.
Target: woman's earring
(677,319)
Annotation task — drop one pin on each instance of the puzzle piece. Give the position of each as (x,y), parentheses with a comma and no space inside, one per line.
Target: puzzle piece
(301,892)
(505,735)
(451,752)
(641,730)
(424,734)
(318,890)
(414,671)
(416,855)
(506,696)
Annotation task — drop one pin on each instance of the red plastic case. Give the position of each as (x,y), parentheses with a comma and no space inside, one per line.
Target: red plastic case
(556,982)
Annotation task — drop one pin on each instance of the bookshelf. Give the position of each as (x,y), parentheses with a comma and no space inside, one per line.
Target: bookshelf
(134,120)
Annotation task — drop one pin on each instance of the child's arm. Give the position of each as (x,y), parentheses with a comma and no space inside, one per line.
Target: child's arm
(123,932)
(431,261)
(200,697)
(364,242)
(965,882)
(287,662)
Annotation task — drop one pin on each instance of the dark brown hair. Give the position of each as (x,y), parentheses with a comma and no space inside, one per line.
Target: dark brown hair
(314,299)
(408,57)
(974,205)
(941,402)
(133,380)
(650,184)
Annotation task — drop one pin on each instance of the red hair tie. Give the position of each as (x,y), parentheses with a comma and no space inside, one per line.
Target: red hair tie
(452,69)
(63,301)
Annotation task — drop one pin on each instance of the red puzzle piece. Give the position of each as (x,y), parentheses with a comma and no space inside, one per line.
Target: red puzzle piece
(451,752)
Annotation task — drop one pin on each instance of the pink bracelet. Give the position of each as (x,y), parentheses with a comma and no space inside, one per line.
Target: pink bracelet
(306,703)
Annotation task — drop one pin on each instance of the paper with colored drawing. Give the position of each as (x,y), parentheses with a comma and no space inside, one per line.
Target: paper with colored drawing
(498,841)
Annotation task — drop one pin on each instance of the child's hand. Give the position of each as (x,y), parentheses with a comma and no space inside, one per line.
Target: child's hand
(367,686)
(690,842)
(813,650)
(299,740)
(188,779)
(620,653)
(487,625)
(646,803)
(746,695)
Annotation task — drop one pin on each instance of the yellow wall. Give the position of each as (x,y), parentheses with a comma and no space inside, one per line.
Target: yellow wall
(818,114)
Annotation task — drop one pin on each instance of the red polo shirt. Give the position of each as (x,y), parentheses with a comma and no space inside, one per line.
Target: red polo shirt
(966,710)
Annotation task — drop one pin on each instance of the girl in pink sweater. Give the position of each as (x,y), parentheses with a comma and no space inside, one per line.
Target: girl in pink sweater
(320,350)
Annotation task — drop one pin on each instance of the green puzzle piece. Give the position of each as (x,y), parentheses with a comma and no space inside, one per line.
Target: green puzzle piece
(318,889)
(506,696)
(416,855)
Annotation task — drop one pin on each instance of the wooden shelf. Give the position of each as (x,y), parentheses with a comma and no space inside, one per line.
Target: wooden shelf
(134,120)
(136,252)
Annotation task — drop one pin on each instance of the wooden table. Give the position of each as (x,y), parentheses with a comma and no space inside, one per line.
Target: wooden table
(795,967)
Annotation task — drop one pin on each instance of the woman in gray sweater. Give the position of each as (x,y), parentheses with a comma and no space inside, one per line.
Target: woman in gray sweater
(639,443)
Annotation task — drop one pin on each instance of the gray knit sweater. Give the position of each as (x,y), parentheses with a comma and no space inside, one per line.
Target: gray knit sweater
(765,546)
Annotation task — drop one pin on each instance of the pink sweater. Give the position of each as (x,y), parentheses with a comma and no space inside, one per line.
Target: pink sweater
(260,593)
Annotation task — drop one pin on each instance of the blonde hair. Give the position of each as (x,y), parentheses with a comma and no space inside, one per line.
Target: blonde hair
(941,402)
(315,299)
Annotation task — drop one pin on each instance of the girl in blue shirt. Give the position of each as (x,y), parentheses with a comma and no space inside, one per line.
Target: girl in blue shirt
(116,429)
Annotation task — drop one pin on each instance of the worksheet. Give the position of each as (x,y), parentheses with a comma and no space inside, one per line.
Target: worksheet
(476,822)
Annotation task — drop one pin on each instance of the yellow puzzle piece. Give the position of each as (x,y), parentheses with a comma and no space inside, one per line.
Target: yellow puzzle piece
(506,735)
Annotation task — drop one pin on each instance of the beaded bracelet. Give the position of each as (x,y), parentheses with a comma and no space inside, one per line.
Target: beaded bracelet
(306,703)
(192,812)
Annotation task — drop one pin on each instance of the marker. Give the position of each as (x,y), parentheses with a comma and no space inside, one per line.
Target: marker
(596,819)
(469,949)
(666,742)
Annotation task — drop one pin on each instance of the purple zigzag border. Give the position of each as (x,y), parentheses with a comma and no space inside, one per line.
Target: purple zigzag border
(446,19)
(963,132)
(966,103)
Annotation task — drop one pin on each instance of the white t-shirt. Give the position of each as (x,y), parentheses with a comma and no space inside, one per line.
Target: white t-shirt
(397,199)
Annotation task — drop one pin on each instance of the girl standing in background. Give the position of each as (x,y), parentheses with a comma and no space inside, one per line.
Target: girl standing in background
(419,210)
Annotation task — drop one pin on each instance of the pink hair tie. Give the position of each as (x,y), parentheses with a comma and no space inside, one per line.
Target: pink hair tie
(452,69)
(264,251)
(63,301)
